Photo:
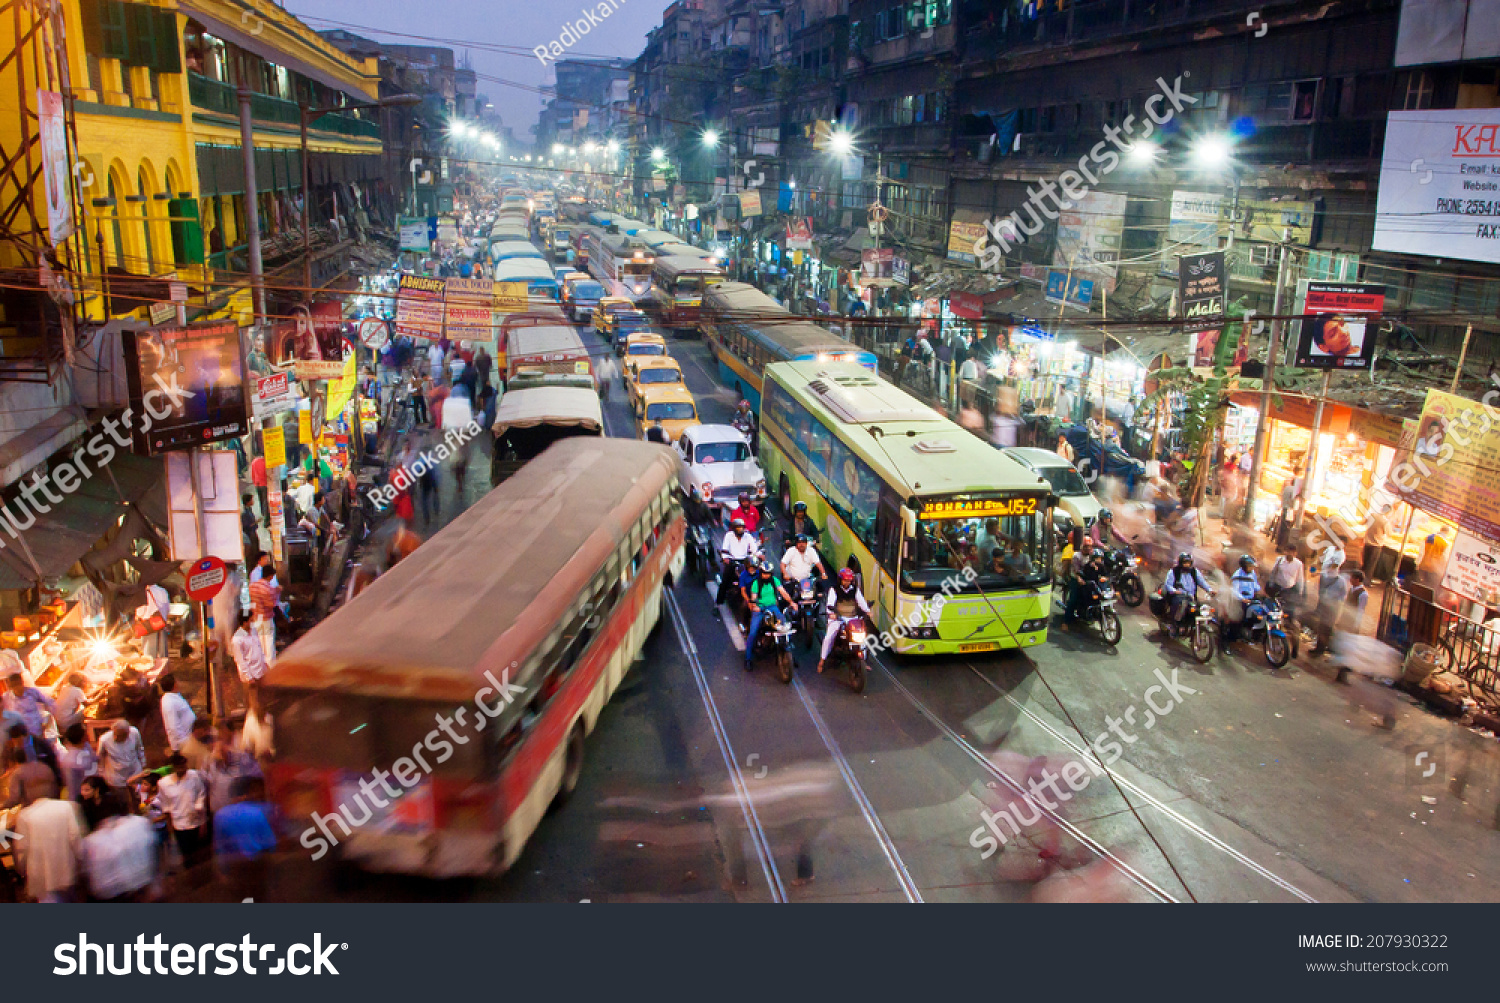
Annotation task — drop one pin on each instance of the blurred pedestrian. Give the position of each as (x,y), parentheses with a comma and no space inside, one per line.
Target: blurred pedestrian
(1287,583)
(249,659)
(182,796)
(49,834)
(1333,588)
(119,855)
(77,760)
(200,744)
(26,703)
(244,839)
(122,755)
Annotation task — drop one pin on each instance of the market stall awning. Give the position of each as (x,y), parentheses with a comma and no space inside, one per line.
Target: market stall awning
(63,534)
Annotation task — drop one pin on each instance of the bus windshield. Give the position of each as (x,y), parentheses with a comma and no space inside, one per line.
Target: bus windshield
(690,285)
(670,411)
(637,268)
(944,547)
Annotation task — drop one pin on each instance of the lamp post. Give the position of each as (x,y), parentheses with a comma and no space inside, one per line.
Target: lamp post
(308,115)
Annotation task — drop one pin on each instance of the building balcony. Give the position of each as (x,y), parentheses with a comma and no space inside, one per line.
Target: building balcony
(212,95)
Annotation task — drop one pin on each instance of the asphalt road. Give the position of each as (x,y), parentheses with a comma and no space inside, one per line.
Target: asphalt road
(1234,782)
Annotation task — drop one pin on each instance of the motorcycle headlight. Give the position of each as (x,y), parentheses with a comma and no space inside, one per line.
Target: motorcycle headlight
(707,491)
(760,487)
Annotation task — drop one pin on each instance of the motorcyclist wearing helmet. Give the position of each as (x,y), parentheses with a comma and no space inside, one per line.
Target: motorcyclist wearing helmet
(1182,585)
(802,525)
(746,512)
(744,420)
(738,545)
(1085,572)
(844,601)
(1103,531)
(1245,585)
(801,562)
(760,598)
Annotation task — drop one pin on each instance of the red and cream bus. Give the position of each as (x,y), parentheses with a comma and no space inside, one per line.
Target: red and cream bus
(546,347)
(426,726)
(678,282)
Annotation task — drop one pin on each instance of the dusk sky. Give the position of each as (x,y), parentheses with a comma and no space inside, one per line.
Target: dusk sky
(498,38)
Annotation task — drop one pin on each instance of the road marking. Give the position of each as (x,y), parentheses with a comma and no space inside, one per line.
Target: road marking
(1017,788)
(887,845)
(736,636)
(1171,813)
(731,761)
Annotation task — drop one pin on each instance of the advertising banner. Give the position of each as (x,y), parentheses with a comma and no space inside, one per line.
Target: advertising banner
(273,395)
(1080,290)
(1335,334)
(319,341)
(1474,570)
(969,306)
(1193,226)
(56,165)
(206,361)
(1200,290)
(799,235)
(273,444)
(1456,460)
(900,271)
(1439,189)
(416,233)
(419,307)
(962,237)
(876,264)
(1089,237)
(749,203)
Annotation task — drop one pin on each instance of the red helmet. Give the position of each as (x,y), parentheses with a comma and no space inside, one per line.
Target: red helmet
(846,575)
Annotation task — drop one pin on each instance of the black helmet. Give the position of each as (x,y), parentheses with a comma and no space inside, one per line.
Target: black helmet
(1247,562)
(1106,515)
(767,568)
(799,507)
(1184,560)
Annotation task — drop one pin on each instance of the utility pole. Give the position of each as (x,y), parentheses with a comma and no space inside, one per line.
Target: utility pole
(252,200)
(1268,382)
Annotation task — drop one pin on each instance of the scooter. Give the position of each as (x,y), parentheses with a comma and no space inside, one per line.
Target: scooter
(774,642)
(1263,626)
(807,612)
(1122,568)
(849,650)
(1201,624)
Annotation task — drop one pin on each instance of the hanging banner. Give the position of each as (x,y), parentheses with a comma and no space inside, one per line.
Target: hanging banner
(1453,457)
(318,341)
(206,360)
(341,389)
(749,203)
(969,306)
(1089,237)
(468,314)
(419,307)
(962,239)
(1080,290)
(1192,226)
(276,516)
(1474,570)
(273,444)
(304,422)
(799,235)
(1200,290)
(877,265)
(273,395)
(1335,335)
(416,234)
(900,271)
(56,165)
(511,297)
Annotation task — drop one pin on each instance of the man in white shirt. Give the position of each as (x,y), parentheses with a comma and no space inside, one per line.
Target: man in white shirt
(249,658)
(1287,581)
(182,796)
(176,713)
(1063,406)
(801,562)
(69,698)
(48,834)
(302,496)
(26,702)
(122,755)
(435,361)
(738,545)
(119,857)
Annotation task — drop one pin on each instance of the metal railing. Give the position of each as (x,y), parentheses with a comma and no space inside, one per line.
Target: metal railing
(1468,648)
(213,95)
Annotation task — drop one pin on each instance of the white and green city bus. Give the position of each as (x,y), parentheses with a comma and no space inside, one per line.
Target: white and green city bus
(905,490)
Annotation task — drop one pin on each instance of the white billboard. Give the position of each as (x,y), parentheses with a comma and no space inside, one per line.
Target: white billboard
(1089,237)
(1440,184)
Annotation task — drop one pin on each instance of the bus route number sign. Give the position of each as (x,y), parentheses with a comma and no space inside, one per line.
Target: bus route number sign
(981,508)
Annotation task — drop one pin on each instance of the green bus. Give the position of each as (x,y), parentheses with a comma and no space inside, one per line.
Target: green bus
(913,496)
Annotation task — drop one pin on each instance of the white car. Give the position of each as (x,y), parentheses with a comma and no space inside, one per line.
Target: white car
(1074,496)
(714,464)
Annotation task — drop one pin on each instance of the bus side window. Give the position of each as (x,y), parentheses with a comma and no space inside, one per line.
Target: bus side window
(888,531)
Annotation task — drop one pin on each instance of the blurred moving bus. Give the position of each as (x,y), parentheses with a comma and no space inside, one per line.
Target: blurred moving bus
(538,410)
(678,285)
(545,347)
(747,330)
(468,676)
(909,492)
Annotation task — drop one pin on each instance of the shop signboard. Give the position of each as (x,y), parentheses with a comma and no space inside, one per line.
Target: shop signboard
(963,238)
(208,362)
(419,307)
(1474,570)
(163,312)
(900,270)
(1439,191)
(1335,335)
(1267,221)
(1089,237)
(877,264)
(749,204)
(969,306)
(274,394)
(318,340)
(1200,290)
(273,445)
(511,297)
(1192,226)
(468,314)
(799,234)
(1454,469)
(1080,290)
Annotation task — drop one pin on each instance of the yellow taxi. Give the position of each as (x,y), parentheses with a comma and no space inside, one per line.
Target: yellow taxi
(652,373)
(642,345)
(670,404)
(605,310)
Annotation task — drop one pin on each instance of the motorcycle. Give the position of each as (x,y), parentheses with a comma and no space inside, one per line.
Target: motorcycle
(1201,624)
(700,551)
(1121,566)
(745,427)
(1263,626)
(849,649)
(774,642)
(807,612)
(736,571)
(1100,609)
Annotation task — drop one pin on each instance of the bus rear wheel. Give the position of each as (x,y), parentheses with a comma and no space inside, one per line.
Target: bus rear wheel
(572,765)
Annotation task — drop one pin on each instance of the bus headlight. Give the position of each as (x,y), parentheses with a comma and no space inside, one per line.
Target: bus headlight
(921,632)
(1032,626)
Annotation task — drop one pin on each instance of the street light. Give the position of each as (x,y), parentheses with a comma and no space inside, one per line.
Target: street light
(711,137)
(613,147)
(1141,153)
(307,115)
(841,142)
(1211,151)
(658,154)
(557,149)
